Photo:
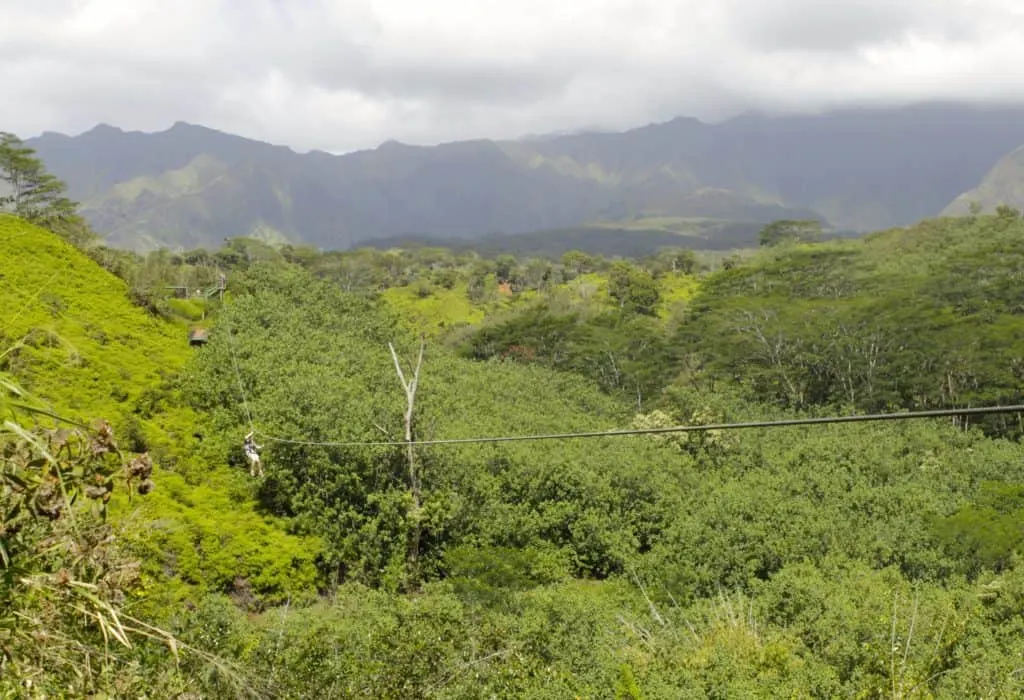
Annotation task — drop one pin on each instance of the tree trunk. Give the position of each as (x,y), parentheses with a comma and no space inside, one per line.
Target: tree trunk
(410,385)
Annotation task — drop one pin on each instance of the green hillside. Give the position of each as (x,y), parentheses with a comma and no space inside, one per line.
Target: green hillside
(67,318)
(73,340)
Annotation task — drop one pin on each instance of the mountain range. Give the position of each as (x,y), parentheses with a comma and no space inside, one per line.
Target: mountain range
(852,169)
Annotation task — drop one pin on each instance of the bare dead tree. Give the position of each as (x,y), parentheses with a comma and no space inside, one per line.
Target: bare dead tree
(410,385)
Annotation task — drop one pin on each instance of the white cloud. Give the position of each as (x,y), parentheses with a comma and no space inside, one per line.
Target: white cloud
(346,74)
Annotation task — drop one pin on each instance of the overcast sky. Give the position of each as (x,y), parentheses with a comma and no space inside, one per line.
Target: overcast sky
(340,75)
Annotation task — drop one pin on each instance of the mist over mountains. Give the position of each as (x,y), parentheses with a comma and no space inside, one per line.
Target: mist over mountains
(854,169)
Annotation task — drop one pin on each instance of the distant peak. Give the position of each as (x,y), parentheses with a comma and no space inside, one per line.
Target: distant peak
(104,128)
(683,119)
(186,126)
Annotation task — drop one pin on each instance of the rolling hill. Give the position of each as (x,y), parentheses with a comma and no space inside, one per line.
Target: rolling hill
(857,169)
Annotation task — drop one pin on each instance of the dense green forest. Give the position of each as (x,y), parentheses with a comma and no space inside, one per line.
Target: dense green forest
(874,560)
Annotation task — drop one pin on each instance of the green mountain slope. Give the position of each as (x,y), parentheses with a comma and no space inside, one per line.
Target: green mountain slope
(1004,184)
(64,317)
(74,341)
(859,169)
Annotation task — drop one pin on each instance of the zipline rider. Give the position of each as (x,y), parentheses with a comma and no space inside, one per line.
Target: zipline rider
(252,451)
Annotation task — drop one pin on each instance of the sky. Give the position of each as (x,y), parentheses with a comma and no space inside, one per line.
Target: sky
(342,75)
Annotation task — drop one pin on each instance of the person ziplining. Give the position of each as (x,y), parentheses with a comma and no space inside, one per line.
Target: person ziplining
(252,451)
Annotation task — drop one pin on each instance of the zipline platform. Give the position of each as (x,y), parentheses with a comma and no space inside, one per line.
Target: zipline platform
(198,336)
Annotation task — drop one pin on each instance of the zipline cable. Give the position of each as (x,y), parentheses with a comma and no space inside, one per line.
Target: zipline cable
(825,420)
(238,376)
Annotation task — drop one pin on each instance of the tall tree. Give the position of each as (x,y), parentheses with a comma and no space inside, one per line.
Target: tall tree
(790,230)
(36,195)
(633,288)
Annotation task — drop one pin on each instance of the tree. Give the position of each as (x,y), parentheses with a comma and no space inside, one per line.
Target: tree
(680,260)
(481,283)
(576,263)
(446,278)
(790,230)
(1006,212)
(35,195)
(537,274)
(409,386)
(505,267)
(634,289)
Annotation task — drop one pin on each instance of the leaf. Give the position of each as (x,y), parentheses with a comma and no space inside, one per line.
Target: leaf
(103,625)
(16,479)
(118,629)
(36,410)
(13,513)
(31,439)
(11,387)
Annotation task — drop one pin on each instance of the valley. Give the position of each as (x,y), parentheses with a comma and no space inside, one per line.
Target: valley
(388,552)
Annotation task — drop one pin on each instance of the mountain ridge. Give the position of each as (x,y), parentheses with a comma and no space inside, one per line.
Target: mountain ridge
(856,169)
(1002,185)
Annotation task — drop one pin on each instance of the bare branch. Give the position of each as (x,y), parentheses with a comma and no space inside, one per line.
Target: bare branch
(410,385)
(398,368)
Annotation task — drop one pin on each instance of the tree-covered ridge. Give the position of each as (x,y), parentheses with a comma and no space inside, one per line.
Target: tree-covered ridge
(914,318)
(919,317)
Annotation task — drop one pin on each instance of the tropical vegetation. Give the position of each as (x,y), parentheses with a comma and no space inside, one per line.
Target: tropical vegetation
(141,559)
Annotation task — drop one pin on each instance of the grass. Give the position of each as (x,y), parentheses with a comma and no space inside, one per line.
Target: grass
(65,317)
(676,291)
(435,312)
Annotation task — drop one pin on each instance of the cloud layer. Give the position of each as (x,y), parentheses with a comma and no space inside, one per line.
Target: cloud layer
(340,75)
